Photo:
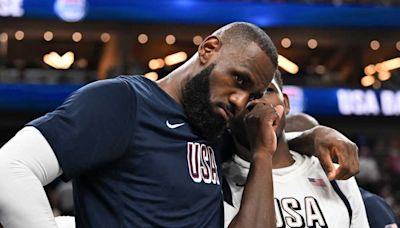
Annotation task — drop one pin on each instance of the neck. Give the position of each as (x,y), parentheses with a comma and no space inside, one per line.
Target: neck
(175,81)
(282,157)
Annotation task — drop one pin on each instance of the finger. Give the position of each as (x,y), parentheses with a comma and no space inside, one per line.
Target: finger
(352,162)
(279,110)
(251,104)
(355,165)
(342,152)
(263,109)
(327,164)
(343,173)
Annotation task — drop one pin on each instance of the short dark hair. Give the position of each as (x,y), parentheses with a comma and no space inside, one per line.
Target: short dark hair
(278,79)
(246,32)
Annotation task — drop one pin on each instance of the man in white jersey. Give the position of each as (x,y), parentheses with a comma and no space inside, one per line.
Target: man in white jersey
(304,196)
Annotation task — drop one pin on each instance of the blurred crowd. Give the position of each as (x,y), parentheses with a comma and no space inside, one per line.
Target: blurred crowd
(380,168)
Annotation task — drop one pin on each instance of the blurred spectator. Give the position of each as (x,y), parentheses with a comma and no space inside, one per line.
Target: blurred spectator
(393,160)
(369,175)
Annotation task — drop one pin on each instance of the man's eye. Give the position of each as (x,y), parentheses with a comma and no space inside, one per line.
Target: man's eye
(239,80)
(269,90)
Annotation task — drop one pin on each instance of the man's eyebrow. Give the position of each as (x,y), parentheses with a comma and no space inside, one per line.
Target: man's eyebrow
(243,73)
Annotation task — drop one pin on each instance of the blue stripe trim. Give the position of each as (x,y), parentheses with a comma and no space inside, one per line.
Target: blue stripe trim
(344,199)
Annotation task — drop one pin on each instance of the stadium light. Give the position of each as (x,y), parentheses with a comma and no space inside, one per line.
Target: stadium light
(287,65)
(375,45)
(367,80)
(175,58)
(143,38)
(155,64)
(105,37)
(370,69)
(390,64)
(384,75)
(286,42)
(19,35)
(77,36)
(48,36)
(312,43)
(56,61)
(170,39)
(197,40)
(151,75)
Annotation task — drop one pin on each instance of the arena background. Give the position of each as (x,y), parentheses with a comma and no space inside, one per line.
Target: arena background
(340,60)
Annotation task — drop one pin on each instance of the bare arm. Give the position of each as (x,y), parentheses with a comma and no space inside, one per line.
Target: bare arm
(300,122)
(257,204)
(325,143)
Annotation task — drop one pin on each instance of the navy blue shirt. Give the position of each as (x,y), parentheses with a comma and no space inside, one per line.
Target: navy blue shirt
(379,212)
(133,158)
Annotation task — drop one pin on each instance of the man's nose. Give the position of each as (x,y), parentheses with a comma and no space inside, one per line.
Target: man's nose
(239,99)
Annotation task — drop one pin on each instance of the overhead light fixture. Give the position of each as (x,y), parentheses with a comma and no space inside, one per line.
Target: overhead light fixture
(48,36)
(3,37)
(286,42)
(170,39)
(143,38)
(320,69)
(390,64)
(312,43)
(287,65)
(77,36)
(367,80)
(375,45)
(105,37)
(56,61)
(82,63)
(370,69)
(197,40)
(175,58)
(19,35)
(155,64)
(384,75)
(152,76)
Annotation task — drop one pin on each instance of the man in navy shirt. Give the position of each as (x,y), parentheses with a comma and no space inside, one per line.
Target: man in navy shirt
(378,211)
(145,154)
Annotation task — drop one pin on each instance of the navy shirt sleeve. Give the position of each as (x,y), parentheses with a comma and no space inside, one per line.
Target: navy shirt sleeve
(92,127)
(379,212)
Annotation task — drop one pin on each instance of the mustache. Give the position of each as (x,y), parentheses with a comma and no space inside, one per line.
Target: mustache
(228,107)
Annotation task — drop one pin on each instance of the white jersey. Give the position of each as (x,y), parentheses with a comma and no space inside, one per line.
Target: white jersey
(304,197)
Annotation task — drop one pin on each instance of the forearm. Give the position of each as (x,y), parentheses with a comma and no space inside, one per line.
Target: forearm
(23,202)
(304,143)
(26,164)
(257,204)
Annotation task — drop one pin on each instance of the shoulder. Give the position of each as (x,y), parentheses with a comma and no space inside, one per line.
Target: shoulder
(138,83)
(109,87)
(378,211)
(119,89)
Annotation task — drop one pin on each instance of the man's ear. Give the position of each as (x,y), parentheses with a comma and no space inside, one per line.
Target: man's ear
(287,103)
(208,47)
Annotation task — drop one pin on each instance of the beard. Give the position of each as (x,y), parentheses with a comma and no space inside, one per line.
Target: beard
(198,109)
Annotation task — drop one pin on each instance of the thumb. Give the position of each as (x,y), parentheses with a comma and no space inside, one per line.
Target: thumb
(280,110)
